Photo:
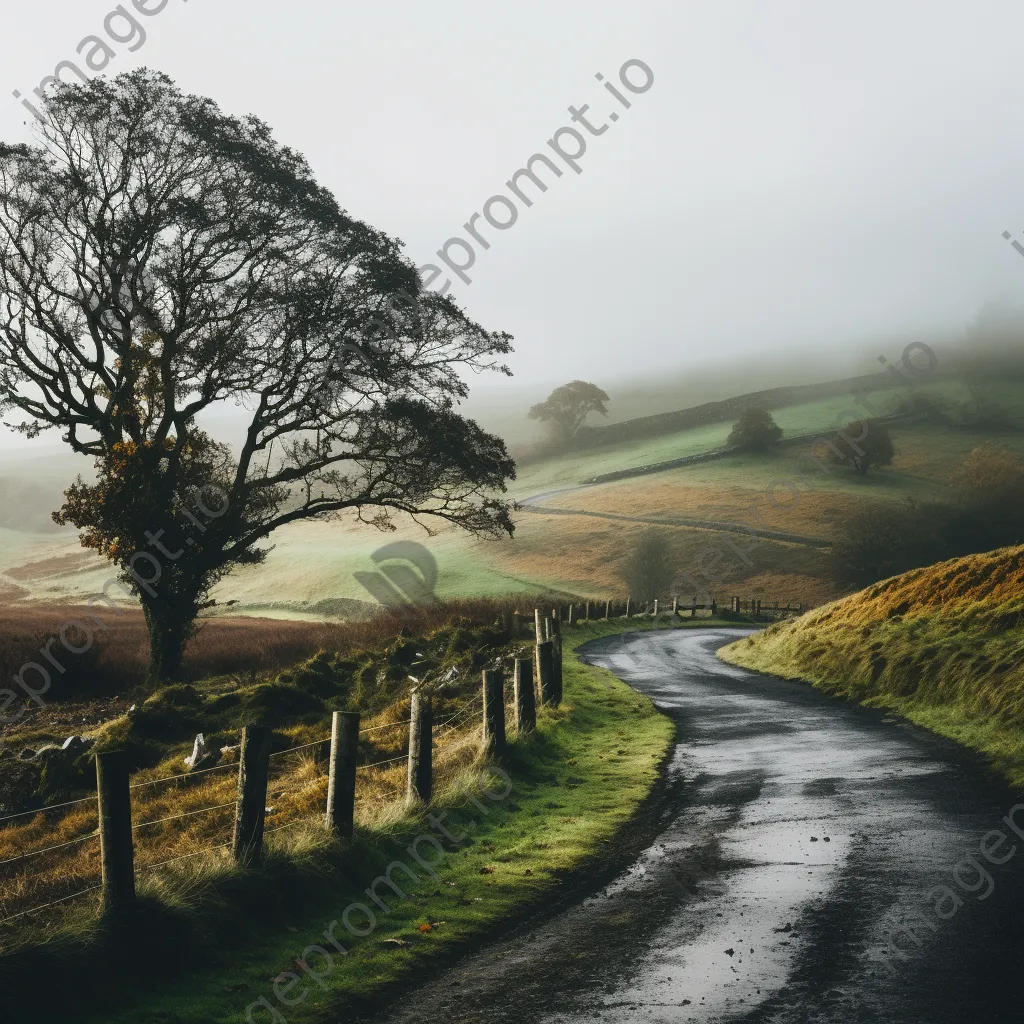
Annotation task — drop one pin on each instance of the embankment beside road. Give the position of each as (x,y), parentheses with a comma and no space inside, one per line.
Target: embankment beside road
(942,646)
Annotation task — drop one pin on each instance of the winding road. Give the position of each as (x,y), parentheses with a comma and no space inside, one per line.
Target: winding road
(793,833)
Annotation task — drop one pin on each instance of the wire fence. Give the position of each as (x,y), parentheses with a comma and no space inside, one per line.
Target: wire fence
(294,790)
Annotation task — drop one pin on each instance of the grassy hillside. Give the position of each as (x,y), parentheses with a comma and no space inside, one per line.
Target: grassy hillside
(943,645)
(313,563)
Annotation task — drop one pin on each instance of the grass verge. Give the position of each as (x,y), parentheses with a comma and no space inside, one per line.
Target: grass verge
(942,646)
(574,784)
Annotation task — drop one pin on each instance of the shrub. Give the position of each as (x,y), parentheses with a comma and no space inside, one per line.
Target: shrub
(647,569)
(755,431)
(869,445)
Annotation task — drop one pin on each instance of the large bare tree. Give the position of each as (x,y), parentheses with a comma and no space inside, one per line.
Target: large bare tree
(158,259)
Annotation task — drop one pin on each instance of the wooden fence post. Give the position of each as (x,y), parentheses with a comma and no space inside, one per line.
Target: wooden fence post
(546,672)
(572,615)
(557,658)
(655,607)
(420,786)
(538,624)
(251,807)
(115,821)
(556,637)
(627,608)
(526,700)
(341,778)
(494,710)
(675,605)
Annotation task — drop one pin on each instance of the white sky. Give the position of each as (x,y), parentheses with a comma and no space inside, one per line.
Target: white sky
(801,176)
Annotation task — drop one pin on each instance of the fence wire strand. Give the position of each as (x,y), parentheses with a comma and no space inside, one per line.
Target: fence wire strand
(52,807)
(378,764)
(186,856)
(48,849)
(187,814)
(303,746)
(183,776)
(45,906)
(378,728)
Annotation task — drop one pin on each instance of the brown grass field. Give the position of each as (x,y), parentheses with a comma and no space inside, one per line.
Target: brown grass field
(583,555)
(187,819)
(192,816)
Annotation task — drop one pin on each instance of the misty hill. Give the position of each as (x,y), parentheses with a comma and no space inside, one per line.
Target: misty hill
(730,408)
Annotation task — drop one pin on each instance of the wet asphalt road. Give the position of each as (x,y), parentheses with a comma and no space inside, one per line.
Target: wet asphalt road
(796,832)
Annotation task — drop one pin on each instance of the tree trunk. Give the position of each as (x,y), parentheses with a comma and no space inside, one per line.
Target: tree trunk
(170,624)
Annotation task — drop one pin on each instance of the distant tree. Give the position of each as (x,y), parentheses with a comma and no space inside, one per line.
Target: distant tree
(976,377)
(987,512)
(160,260)
(755,431)
(989,491)
(869,445)
(647,568)
(567,407)
(882,541)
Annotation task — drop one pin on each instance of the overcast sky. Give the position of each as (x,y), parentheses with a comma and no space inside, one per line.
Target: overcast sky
(799,177)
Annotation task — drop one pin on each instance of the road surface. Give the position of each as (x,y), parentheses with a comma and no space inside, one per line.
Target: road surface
(797,831)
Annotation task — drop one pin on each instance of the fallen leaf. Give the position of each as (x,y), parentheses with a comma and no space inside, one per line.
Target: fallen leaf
(424,927)
(487,871)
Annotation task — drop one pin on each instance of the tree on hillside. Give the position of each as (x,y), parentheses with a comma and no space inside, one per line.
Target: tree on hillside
(866,443)
(989,490)
(755,431)
(879,541)
(567,407)
(647,568)
(160,260)
(987,511)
